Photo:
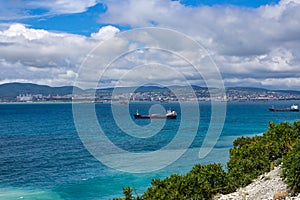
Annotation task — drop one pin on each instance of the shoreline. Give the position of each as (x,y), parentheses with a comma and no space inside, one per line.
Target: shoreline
(187,101)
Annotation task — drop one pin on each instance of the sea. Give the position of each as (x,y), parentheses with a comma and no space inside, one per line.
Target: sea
(44,156)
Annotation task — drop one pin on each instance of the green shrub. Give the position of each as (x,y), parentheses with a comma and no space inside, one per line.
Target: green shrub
(202,182)
(291,168)
(172,187)
(253,156)
(207,179)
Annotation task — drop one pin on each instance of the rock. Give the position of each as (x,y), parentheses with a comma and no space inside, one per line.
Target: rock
(268,186)
(280,195)
(217,196)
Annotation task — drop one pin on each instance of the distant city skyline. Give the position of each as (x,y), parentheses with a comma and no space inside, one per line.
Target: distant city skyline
(24,92)
(253,43)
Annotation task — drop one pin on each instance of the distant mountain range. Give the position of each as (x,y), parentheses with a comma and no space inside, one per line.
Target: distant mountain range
(9,91)
(254,89)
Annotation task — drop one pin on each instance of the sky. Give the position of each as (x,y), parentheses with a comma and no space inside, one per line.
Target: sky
(253,43)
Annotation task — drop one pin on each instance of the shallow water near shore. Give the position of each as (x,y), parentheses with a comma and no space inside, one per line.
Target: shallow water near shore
(42,156)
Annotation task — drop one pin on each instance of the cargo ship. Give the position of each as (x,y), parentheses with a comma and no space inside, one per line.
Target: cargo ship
(293,108)
(169,115)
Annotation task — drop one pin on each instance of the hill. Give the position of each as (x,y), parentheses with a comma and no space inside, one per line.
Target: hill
(9,91)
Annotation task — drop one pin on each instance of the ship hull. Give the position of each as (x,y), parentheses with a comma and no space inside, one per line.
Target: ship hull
(283,110)
(139,116)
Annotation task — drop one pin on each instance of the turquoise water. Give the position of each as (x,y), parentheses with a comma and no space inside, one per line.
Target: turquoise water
(42,156)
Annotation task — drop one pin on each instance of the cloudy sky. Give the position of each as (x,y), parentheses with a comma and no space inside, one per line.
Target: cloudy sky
(253,43)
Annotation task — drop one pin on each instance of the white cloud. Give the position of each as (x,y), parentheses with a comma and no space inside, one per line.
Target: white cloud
(17,30)
(105,33)
(41,56)
(247,43)
(22,9)
(251,46)
(63,6)
(282,83)
(276,11)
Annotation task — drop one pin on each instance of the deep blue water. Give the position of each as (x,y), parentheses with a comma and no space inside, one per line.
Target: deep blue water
(42,156)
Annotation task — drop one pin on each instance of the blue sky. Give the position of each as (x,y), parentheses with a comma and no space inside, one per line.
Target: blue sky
(87,22)
(254,43)
(244,3)
(83,23)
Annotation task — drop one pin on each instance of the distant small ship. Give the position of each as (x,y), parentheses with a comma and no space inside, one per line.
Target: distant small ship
(293,108)
(169,115)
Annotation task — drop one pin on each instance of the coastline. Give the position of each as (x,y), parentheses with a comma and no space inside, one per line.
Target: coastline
(267,186)
(113,101)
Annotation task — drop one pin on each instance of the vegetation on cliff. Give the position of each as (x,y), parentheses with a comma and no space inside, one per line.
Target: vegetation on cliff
(291,168)
(253,156)
(249,158)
